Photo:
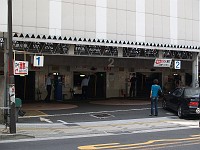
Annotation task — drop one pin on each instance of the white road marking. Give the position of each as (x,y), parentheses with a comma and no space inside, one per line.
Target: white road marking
(63,122)
(45,120)
(169,114)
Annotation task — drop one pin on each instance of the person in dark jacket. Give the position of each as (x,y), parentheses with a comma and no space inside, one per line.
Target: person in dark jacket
(48,85)
(133,86)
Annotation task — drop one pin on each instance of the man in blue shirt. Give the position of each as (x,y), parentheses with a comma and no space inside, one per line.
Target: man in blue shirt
(154,97)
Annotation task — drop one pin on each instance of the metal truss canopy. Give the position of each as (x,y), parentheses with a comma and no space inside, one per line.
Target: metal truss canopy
(97,47)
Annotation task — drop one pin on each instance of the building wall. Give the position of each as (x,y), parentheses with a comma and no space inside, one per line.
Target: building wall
(159,21)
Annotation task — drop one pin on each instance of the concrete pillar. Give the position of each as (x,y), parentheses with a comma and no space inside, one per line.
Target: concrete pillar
(160,54)
(71,49)
(120,52)
(182,79)
(195,70)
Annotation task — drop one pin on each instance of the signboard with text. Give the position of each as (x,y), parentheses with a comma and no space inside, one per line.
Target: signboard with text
(162,62)
(38,61)
(20,67)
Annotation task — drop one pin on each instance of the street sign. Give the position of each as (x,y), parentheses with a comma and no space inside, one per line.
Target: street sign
(12,92)
(162,62)
(38,61)
(20,67)
(177,64)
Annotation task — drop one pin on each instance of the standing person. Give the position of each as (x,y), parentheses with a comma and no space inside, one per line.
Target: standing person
(154,97)
(84,86)
(48,85)
(133,85)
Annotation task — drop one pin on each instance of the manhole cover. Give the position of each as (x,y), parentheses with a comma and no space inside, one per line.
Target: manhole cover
(102,115)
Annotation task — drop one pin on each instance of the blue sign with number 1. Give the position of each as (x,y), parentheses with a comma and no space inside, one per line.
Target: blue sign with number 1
(38,61)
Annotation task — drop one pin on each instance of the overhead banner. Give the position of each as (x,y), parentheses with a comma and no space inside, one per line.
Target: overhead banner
(20,67)
(162,62)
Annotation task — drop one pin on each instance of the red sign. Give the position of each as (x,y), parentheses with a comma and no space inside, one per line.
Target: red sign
(162,62)
(21,68)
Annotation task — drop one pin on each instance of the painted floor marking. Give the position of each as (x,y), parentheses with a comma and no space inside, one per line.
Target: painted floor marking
(151,144)
(45,120)
(63,122)
(84,136)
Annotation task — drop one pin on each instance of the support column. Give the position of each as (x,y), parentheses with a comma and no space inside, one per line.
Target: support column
(120,52)
(11,75)
(195,70)
(71,50)
(160,54)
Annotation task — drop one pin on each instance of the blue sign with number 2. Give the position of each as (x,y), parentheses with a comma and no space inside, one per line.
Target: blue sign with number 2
(177,65)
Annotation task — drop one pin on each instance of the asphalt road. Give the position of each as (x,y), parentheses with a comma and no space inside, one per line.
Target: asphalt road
(165,140)
(107,127)
(92,112)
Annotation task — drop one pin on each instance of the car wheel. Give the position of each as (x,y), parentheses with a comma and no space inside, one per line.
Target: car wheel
(180,112)
(164,104)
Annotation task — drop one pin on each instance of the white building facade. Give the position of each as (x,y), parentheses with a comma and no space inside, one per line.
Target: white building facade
(158,21)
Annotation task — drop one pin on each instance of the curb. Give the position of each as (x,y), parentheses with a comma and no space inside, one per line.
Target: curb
(14,136)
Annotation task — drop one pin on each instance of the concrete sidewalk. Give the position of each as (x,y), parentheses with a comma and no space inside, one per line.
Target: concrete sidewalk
(26,131)
(100,128)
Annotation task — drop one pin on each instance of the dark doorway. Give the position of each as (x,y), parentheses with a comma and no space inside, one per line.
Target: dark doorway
(144,82)
(96,85)
(188,79)
(25,87)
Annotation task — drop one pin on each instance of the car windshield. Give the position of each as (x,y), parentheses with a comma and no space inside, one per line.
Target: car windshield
(192,92)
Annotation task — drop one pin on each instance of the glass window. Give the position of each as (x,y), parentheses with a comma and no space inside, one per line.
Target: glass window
(192,92)
(178,92)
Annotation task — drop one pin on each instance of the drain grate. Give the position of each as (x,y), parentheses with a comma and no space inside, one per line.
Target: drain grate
(102,115)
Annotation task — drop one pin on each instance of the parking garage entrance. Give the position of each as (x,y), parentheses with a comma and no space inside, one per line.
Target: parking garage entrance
(96,85)
(144,82)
